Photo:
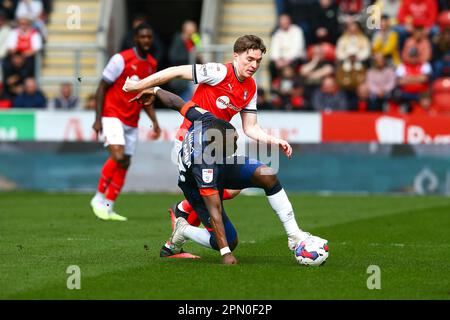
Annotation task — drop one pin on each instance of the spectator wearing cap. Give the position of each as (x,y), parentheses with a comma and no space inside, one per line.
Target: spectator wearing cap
(385,42)
(65,100)
(420,41)
(328,97)
(287,46)
(413,77)
(31,97)
(34,11)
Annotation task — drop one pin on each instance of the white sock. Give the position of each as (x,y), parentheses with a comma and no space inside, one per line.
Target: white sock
(283,208)
(99,196)
(180,206)
(110,205)
(198,235)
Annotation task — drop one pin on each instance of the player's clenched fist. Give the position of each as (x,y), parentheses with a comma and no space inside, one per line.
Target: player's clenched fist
(229,259)
(129,85)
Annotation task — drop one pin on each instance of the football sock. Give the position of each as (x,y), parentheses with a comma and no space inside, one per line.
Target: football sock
(283,208)
(116,185)
(99,197)
(198,235)
(108,170)
(192,217)
(227,195)
(185,206)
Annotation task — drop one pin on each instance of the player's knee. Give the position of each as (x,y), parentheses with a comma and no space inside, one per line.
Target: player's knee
(266,178)
(122,160)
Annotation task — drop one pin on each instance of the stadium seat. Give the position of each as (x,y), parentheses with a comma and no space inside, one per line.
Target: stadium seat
(441,95)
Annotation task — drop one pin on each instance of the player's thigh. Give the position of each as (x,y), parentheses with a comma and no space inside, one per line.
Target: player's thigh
(113,131)
(239,172)
(131,140)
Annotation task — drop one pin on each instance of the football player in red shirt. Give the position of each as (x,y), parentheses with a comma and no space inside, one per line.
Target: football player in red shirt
(118,120)
(224,90)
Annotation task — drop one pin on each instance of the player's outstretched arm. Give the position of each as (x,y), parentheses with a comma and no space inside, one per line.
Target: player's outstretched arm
(214,206)
(168,99)
(159,78)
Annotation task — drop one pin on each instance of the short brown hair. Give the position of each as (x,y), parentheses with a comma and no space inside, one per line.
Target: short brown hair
(247,42)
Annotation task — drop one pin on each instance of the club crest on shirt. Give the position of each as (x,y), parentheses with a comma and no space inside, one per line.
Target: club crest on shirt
(245,94)
(207,175)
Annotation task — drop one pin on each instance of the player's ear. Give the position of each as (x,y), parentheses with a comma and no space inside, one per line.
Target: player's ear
(235,55)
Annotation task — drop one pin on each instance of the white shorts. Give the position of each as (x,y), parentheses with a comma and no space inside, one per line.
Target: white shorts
(117,133)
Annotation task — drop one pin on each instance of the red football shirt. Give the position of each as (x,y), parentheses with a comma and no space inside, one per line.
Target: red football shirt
(122,65)
(221,92)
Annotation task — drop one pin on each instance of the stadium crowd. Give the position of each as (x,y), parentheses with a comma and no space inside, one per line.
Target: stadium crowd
(352,55)
(361,55)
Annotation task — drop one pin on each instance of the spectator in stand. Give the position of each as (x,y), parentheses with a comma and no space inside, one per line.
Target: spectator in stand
(91,102)
(353,43)
(362,98)
(441,60)
(385,41)
(5,99)
(25,40)
(380,82)
(157,49)
(179,54)
(314,71)
(5,30)
(287,46)
(33,10)
(261,100)
(420,41)
(350,74)
(9,7)
(31,97)
(299,11)
(416,13)
(329,97)
(324,21)
(65,100)
(413,78)
(283,88)
(15,71)
(389,9)
(352,10)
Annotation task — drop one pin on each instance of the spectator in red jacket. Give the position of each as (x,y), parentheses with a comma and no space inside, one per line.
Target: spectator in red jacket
(413,80)
(417,13)
(5,99)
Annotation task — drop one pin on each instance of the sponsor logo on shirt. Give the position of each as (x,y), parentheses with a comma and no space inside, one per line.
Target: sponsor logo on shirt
(223,102)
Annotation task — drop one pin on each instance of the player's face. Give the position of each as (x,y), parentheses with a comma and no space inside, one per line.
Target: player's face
(247,62)
(144,40)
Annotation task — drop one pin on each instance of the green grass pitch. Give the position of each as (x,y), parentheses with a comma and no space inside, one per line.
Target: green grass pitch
(41,234)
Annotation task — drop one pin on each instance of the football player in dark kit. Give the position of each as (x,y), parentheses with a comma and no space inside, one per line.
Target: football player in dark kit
(207,165)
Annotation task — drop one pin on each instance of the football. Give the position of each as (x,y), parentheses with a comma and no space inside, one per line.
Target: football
(311,253)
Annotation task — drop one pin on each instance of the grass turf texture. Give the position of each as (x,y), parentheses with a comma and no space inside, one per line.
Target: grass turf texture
(42,234)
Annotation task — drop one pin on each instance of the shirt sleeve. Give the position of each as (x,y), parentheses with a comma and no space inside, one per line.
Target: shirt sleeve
(251,107)
(114,68)
(400,72)
(11,42)
(426,69)
(209,73)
